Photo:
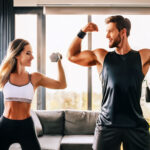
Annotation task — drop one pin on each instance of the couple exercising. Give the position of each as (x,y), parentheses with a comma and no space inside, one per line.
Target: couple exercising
(123,70)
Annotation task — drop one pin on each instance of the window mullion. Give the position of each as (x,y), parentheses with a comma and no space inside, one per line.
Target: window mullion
(89,69)
(41,59)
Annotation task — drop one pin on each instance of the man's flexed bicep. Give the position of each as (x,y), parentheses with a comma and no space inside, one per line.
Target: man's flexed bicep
(85,57)
(89,58)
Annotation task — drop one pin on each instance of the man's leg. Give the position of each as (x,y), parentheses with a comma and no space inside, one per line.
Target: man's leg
(136,139)
(107,138)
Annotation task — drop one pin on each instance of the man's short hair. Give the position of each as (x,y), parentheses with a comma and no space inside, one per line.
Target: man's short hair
(121,22)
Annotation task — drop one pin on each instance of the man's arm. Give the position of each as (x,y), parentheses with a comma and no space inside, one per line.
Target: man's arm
(145,59)
(86,57)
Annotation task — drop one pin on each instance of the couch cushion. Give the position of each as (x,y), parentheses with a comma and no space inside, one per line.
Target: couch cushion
(80,122)
(50,142)
(37,124)
(52,121)
(77,142)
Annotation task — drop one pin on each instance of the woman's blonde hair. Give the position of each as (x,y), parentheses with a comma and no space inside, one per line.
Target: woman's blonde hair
(9,63)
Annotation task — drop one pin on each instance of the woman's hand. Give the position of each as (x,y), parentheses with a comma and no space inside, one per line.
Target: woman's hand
(60,83)
(55,57)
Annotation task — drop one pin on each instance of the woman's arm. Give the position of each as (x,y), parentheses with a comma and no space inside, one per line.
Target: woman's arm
(42,80)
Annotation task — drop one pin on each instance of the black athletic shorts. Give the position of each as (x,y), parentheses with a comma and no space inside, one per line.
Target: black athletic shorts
(18,131)
(107,138)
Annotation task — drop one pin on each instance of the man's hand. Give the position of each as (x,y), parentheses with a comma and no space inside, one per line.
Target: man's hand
(90,27)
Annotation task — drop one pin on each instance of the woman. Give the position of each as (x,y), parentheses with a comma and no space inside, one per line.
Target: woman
(18,86)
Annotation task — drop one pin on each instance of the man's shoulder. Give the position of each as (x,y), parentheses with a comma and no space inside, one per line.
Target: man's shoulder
(100,51)
(144,51)
(145,55)
(100,54)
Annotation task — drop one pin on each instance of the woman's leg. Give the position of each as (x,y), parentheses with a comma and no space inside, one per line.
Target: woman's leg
(28,138)
(6,134)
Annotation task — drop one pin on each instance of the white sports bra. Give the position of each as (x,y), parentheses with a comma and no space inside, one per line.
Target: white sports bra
(22,93)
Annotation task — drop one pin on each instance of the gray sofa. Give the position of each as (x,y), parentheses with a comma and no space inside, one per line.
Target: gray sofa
(63,129)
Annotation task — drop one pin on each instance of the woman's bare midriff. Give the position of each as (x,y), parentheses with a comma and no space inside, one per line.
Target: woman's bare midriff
(16,110)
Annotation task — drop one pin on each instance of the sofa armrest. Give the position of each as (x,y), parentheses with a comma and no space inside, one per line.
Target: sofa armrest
(37,123)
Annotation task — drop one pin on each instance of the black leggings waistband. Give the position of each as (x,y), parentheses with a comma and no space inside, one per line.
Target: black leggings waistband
(17,121)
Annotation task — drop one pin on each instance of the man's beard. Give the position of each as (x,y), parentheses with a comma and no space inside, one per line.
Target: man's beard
(116,42)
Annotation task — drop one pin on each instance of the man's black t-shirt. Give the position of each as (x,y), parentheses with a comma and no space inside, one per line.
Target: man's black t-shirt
(122,78)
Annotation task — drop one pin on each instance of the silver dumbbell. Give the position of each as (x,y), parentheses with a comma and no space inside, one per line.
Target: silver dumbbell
(55,57)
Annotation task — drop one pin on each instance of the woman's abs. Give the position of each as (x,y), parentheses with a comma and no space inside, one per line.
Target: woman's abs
(16,110)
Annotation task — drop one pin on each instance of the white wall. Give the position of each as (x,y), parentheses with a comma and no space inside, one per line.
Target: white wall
(142,3)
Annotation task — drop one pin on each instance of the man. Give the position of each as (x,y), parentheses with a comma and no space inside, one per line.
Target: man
(123,70)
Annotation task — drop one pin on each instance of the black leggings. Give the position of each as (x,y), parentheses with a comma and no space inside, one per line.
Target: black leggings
(18,131)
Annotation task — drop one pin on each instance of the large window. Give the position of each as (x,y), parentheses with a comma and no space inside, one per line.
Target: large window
(60,31)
